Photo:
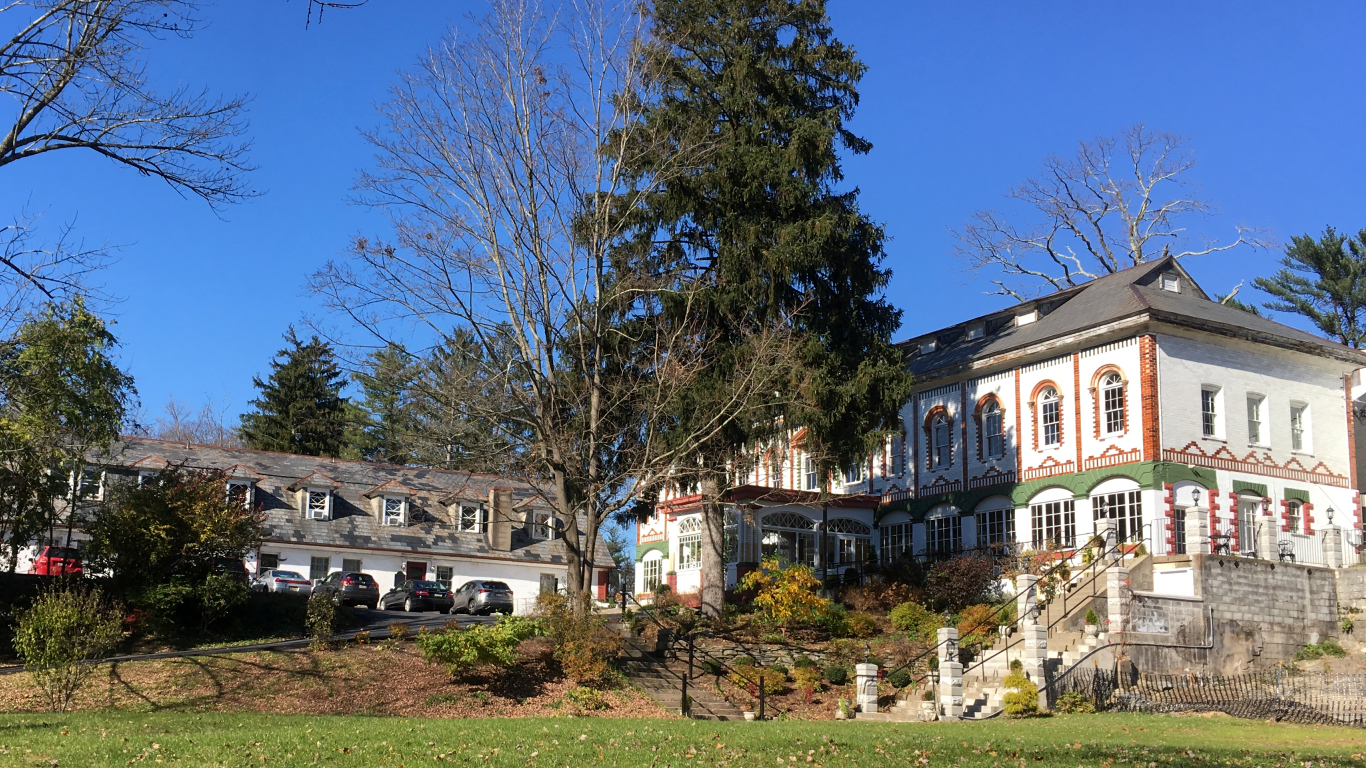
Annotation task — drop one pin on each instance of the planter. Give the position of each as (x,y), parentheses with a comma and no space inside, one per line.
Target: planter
(929,711)
(749,715)
(839,714)
(1092,630)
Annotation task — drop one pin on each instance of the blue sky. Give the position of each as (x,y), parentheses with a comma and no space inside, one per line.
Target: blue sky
(961,100)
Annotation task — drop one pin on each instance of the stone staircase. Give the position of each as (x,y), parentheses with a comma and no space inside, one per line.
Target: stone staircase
(662,680)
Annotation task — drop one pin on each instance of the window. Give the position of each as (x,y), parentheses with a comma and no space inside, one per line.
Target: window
(811,481)
(1053,524)
(146,479)
(395,510)
(996,527)
(1293,515)
(945,534)
(444,575)
(1179,530)
(894,541)
(853,473)
(690,544)
(1125,508)
(351,566)
(1254,419)
(894,457)
(926,347)
(941,433)
(267,562)
(319,504)
(318,568)
(470,518)
(1171,283)
(1299,427)
(90,484)
(730,537)
(1112,399)
(1050,413)
(847,542)
(1248,510)
(1209,411)
(651,571)
(239,494)
(542,524)
(790,536)
(976,332)
(993,424)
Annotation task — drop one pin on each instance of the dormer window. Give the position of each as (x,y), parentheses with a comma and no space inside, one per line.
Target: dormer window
(318,504)
(394,511)
(240,493)
(1025,318)
(89,484)
(926,347)
(542,524)
(146,479)
(1171,283)
(976,332)
(471,518)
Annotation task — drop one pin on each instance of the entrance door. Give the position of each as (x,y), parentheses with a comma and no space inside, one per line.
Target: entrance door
(1248,509)
(416,571)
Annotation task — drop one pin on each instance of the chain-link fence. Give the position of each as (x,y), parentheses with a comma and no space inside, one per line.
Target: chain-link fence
(1284,693)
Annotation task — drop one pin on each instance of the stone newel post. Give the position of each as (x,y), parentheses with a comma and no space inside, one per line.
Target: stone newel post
(1117,596)
(1266,537)
(950,676)
(1197,531)
(865,680)
(1109,536)
(1035,635)
(1332,546)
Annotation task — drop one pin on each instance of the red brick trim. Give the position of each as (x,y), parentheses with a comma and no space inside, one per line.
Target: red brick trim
(914,480)
(1351,430)
(1019,409)
(1037,415)
(1170,514)
(929,437)
(963,408)
(982,404)
(1233,523)
(1076,404)
(1307,510)
(1147,379)
(1285,515)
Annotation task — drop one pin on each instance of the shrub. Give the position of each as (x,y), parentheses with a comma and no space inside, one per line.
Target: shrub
(462,651)
(928,695)
(218,595)
(399,630)
(802,661)
(785,594)
(751,677)
(959,582)
(586,698)
(1328,647)
(712,667)
(835,620)
(584,645)
(744,661)
(780,669)
(1022,696)
(978,623)
(900,678)
(837,675)
(808,681)
(1091,617)
(862,625)
(59,637)
(323,619)
(1073,703)
(917,621)
(878,598)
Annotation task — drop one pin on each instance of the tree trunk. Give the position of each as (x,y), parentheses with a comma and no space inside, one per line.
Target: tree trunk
(713,551)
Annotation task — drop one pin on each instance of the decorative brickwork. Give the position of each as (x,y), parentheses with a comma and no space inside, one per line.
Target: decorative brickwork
(934,413)
(1036,415)
(1147,383)
(1076,398)
(1308,511)
(1170,514)
(963,408)
(1019,454)
(1285,515)
(1233,525)
(1254,464)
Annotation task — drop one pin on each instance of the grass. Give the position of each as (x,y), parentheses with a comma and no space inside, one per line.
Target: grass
(1103,741)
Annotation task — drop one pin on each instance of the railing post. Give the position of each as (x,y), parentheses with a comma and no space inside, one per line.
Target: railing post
(761,697)
(690,656)
(950,676)
(683,707)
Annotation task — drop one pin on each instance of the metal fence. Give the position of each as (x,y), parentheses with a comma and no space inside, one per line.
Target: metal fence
(1308,548)
(1353,548)
(1283,693)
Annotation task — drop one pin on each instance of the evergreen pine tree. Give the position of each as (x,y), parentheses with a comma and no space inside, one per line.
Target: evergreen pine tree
(766,88)
(388,423)
(300,408)
(1324,281)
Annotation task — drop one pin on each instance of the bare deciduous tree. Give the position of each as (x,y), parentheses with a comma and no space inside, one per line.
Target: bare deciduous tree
(204,427)
(505,167)
(1121,201)
(34,270)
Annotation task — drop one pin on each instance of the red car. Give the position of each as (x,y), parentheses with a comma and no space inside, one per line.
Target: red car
(57,561)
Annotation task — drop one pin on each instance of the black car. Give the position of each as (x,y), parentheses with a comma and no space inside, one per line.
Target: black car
(417,596)
(349,588)
(484,597)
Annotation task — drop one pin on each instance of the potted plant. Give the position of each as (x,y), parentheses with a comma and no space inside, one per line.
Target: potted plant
(1092,623)
(841,710)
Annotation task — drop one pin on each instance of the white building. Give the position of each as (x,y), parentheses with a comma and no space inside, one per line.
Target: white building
(1119,398)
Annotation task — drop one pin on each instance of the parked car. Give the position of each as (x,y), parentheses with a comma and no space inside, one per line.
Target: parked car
(484,597)
(417,596)
(349,588)
(57,561)
(282,581)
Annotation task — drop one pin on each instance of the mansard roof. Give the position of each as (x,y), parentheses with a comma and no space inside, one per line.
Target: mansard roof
(1123,303)
(429,530)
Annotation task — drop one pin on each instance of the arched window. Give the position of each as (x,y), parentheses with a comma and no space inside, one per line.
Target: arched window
(993,427)
(790,536)
(1112,398)
(1050,417)
(848,542)
(689,543)
(941,433)
(651,571)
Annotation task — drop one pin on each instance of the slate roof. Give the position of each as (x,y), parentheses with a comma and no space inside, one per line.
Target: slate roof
(1131,293)
(429,530)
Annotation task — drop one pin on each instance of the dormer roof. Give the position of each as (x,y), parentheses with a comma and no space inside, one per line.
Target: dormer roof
(239,472)
(389,488)
(151,463)
(314,480)
(466,494)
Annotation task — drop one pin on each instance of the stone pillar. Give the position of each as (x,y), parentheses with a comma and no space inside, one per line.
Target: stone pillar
(1105,531)
(1035,652)
(1332,546)
(1117,597)
(1026,598)
(1197,531)
(950,676)
(1267,531)
(865,679)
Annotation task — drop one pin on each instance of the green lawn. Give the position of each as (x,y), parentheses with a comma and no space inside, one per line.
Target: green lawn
(1104,741)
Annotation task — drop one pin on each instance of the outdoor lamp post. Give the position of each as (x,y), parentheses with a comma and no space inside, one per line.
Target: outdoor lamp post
(1330,515)
(1266,506)
(1195,496)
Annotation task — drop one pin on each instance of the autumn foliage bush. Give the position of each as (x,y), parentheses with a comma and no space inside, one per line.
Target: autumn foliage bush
(878,598)
(961,581)
(465,651)
(584,645)
(787,595)
(917,621)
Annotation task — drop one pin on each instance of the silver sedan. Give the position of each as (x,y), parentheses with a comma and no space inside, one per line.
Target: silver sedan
(282,581)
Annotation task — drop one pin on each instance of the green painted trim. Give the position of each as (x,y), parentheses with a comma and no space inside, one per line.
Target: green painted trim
(1296,494)
(1258,488)
(1150,475)
(662,546)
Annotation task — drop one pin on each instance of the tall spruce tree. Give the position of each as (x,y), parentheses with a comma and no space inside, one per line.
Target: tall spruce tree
(1324,280)
(762,225)
(300,408)
(389,423)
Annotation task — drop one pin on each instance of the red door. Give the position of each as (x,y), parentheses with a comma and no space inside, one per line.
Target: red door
(416,571)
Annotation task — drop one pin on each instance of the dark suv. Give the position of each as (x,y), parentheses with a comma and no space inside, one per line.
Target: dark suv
(418,596)
(484,597)
(348,588)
